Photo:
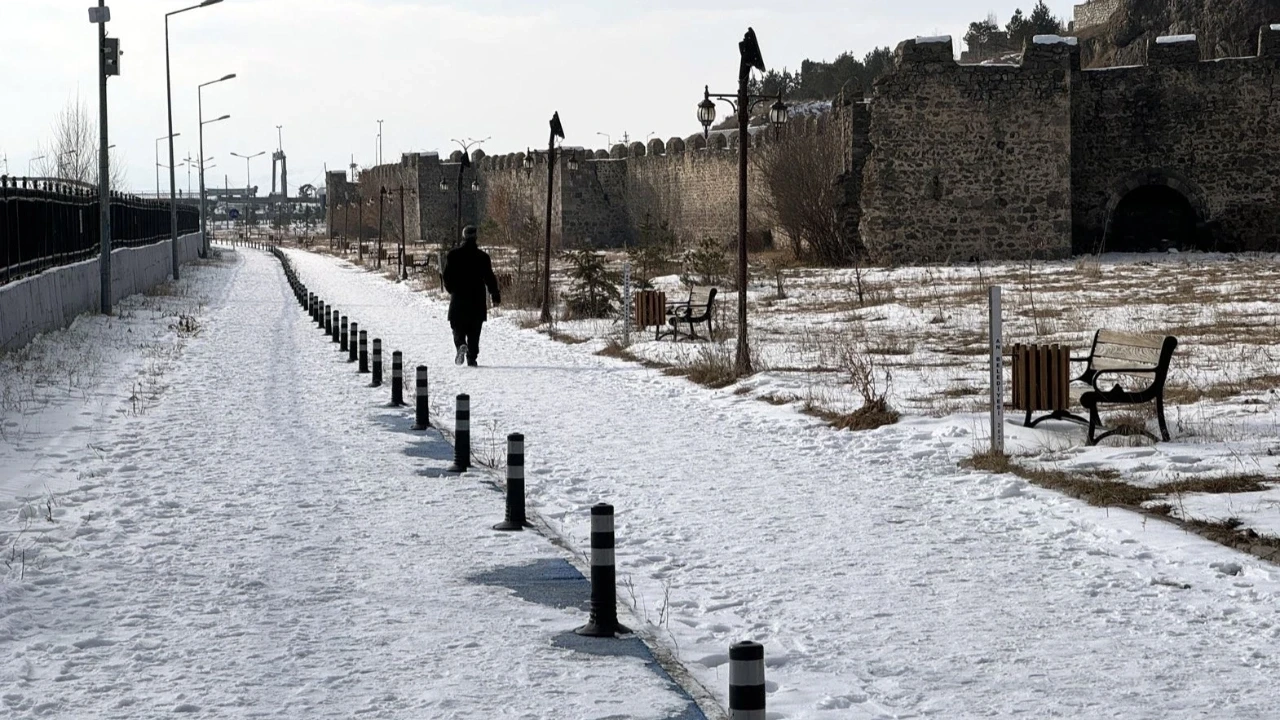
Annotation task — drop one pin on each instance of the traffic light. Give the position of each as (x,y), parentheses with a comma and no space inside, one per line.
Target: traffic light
(111,50)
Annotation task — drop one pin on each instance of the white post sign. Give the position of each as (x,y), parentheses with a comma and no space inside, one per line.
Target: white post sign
(997,373)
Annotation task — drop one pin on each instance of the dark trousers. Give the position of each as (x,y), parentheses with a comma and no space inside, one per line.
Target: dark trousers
(468,333)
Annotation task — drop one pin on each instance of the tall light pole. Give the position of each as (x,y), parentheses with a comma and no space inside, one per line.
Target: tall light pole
(32,161)
(204,226)
(247,183)
(168,89)
(158,165)
(379,142)
(108,64)
(608,141)
(556,132)
(742,103)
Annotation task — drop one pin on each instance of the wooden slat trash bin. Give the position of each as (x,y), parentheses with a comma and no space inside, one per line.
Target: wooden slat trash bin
(1041,382)
(650,308)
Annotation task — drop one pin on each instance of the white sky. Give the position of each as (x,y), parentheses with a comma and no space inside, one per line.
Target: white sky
(327,70)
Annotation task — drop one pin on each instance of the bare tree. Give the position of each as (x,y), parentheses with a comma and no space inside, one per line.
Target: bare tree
(801,193)
(511,221)
(72,152)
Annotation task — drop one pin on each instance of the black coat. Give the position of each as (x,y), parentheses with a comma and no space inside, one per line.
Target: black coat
(467,273)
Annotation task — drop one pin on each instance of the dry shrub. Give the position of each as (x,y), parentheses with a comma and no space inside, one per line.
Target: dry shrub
(711,366)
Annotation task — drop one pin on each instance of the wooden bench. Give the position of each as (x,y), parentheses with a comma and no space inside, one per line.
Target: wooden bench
(1140,362)
(697,310)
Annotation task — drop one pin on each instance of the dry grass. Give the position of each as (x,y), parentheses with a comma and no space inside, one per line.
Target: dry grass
(867,417)
(1103,489)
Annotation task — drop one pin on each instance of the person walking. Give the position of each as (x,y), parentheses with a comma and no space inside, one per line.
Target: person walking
(468,272)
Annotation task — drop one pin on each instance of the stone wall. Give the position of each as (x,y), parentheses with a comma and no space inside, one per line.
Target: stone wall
(1206,129)
(969,161)
(1094,12)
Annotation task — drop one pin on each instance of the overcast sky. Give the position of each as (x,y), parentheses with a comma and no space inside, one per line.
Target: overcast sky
(328,70)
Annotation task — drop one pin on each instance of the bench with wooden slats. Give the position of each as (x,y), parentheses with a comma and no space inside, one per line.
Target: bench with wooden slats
(698,309)
(1126,369)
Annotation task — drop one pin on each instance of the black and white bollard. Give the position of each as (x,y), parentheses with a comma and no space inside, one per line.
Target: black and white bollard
(342,342)
(364,352)
(323,317)
(336,328)
(422,414)
(462,435)
(746,681)
(377,362)
(353,352)
(313,308)
(604,591)
(515,484)
(397,379)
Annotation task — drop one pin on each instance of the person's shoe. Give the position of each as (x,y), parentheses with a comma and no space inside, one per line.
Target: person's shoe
(472,363)
(462,354)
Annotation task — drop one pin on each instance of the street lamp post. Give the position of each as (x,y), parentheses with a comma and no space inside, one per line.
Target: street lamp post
(247,185)
(466,163)
(404,229)
(158,165)
(204,231)
(379,142)
(168,89)
(743,102)
(382,198)
(32,161)
(556,132)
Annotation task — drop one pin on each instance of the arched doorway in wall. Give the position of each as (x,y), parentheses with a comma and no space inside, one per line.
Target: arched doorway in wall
(1155,210)
(1152,218)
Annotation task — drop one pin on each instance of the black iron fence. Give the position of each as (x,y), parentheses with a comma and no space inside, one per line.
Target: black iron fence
(48,223)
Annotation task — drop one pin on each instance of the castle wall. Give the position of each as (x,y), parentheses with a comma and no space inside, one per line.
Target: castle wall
(1094,12)
(1209,130)
(969,162)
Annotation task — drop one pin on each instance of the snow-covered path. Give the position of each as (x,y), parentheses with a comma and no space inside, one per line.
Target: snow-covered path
(270,540)
(882,580)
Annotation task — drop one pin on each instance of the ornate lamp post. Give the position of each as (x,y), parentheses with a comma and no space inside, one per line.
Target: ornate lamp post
(382,199)
(742,103)
(444,186)
(557,131)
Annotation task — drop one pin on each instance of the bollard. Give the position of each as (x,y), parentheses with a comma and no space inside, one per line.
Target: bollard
(604,592)
(324,314)
(353,352)
(397,379)
(377,362)
(746,681)
(334,330)
(364,352)
(422,414)
(342,341)
(311,305)
(462,433)
(515,484)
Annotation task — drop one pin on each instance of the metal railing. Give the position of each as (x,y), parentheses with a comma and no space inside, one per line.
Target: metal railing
(47,223)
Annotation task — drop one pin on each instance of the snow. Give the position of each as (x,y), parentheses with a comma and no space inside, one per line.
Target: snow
(263,536)
(1171,39)
(254,533)
(1276,28)
(882,579)
(923,40)
(1053,40)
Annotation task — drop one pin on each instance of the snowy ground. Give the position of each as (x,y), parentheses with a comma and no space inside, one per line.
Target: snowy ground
(882,580)
(927,328)
(203,512)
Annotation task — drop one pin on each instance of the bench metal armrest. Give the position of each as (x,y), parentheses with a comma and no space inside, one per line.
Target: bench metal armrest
(1118,371)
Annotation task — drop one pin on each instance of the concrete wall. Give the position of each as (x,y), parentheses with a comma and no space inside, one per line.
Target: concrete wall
(52,299)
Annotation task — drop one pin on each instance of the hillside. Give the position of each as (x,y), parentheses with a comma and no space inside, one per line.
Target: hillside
(1227,28)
